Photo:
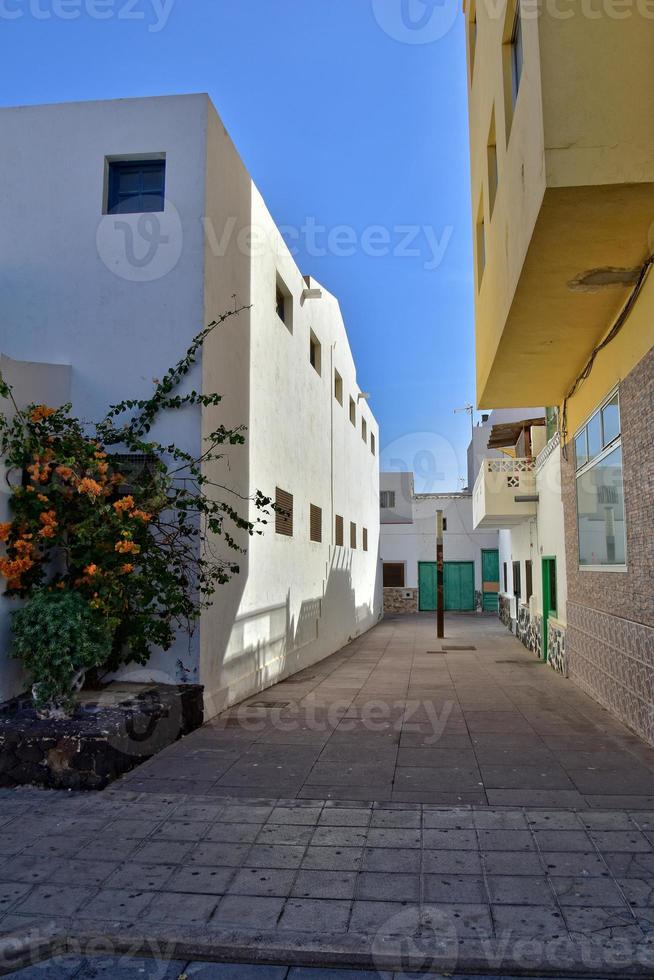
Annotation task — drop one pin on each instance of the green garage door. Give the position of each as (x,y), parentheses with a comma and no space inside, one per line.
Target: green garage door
(458,585)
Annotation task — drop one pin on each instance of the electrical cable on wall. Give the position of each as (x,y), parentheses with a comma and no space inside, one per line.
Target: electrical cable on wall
(612,334)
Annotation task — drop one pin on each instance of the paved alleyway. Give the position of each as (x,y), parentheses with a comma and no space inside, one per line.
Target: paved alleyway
(318,828)
(400,716)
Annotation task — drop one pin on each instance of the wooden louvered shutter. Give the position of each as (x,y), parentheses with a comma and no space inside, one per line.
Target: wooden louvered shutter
(338,531)
(315,523)
(284,515)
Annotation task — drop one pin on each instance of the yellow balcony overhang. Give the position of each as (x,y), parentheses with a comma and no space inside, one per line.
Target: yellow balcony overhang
(583,238)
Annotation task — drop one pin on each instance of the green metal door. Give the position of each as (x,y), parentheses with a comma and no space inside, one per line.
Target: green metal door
(490,579)
(427,586)
(459,586)
(550,599)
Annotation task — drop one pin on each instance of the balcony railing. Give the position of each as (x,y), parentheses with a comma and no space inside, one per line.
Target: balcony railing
(500,490)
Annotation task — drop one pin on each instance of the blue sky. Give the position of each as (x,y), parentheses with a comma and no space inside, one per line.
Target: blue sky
(347,113)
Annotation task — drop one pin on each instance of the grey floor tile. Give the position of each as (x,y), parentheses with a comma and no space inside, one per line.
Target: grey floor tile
(181,908)
(200,880)
(275,856)
(588,892)
(512,863)
(262,881)
(324,884)
(388,887)
(116,904)
(51,899)
(454,889)
(249,912)
(450,840)
(620,840)
(401,859)
(532,922)
(520,890)
(333,858)
(584,864)
(312,915)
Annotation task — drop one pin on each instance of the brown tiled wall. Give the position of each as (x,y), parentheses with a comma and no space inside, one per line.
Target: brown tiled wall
(610,637)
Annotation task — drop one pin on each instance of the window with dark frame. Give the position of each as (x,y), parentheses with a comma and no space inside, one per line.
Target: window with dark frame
(601,511)
(338,531)
(365,539)
(506,577)
(315,523)
(315,353)
(393,575)
(364,430)
(373,444)
(136,186)
(283,512)
(517,54)
(353,535)
(353,411)
(284,303)
(386,499)
(529,580)
(517,585)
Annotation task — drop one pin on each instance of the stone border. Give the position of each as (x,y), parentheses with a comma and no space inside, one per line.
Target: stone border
(354,951)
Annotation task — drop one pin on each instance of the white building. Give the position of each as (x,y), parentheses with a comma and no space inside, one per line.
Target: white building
(118,296)
(408,550)
(519,493)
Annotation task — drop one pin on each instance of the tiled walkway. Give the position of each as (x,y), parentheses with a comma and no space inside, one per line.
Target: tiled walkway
(403,808)
(395,716)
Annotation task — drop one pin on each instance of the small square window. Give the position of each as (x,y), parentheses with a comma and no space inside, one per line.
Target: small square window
(284,513)
(338,388)
(393,575)
(136,186)
(353,535)
(284,303)
(364,430)
(315,523)
(386,498)
(338,531)
(353,411)
(315,353)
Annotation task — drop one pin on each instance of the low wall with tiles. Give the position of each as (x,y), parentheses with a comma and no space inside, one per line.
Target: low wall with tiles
(400,600)
(612,659)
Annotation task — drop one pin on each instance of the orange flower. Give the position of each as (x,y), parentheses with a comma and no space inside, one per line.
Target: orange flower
(117,479)
(90,487)
(127,568)
(91,570)
(60,585)
(124,504)
(49,520)
(100,455)
(29,489)
(42,497)
(141,515)
(41,412)
(127,548)
(5,530)
(65,472)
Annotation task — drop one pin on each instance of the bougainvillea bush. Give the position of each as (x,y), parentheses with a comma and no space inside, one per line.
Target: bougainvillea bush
(135,550)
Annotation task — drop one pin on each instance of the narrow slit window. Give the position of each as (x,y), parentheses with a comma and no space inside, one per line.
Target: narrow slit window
(373,444)
(338,531)
(284,303)
(315,353)
(365,538)
(364,430)
(338,388)
(353,535)
(353,411)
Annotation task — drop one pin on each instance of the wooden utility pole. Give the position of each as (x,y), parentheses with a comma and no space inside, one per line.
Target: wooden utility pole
(440,597)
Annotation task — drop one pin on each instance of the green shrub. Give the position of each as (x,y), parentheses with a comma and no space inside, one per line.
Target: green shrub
(58,637)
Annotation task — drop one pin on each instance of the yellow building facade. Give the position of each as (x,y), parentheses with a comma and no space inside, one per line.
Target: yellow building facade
(562,180)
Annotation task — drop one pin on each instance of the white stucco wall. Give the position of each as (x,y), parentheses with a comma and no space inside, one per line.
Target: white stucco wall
(416,542)
(302,600)
(71,291)
(542,537)
(65,294)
